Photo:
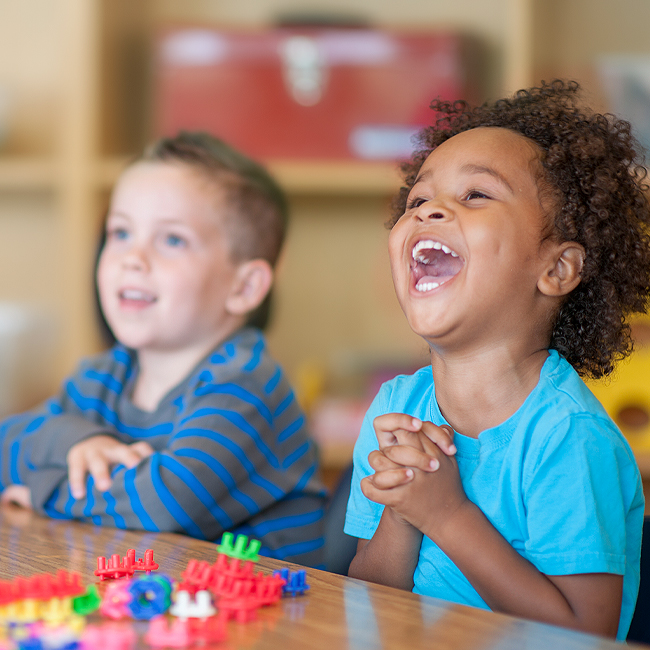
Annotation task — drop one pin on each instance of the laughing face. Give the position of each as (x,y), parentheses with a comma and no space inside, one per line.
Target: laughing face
(467,253)
(165,270)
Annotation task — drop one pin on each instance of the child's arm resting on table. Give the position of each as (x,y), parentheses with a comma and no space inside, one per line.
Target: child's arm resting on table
(96,455)
(505,580)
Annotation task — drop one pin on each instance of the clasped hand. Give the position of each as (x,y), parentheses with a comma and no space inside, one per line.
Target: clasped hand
(416,473)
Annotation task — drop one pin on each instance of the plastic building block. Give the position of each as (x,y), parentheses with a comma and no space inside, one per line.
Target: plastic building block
(143,564)
(176,634)
(88,602)
(56,610)
(242,609)
(114,568)
(115,601)
(239,549)
(150,596)
(295,581)
(42,586)
(209,630)
(269,589)
(108,636)
(198,607)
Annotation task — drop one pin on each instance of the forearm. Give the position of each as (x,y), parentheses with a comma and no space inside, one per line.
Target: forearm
(509,583)
(390,557)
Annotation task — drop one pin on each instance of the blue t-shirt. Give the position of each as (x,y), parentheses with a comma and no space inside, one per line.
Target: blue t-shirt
(557,479)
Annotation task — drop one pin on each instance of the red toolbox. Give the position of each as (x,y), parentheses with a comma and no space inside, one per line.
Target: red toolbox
(308,93)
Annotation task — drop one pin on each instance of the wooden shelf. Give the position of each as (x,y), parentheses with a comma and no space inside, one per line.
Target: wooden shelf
(336,177)
(298,177)
(22,173)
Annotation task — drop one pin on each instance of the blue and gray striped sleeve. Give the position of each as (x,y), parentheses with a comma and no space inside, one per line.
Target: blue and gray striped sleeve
(231,453)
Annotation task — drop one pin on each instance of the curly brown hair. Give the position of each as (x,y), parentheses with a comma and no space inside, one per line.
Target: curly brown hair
(594,170)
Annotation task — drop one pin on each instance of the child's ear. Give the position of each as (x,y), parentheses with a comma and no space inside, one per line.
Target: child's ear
(252,282)
(562,275)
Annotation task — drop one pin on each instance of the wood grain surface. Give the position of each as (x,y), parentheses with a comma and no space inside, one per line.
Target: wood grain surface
(337,613)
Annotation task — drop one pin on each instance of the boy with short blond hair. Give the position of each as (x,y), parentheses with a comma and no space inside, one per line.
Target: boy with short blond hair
(186,424)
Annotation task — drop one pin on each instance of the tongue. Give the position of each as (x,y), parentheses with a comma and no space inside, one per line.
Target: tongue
(441,266)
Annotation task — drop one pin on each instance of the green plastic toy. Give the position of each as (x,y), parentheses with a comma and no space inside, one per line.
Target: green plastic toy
(241,549)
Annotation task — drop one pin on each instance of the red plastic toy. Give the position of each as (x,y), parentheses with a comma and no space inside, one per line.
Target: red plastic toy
(117,567)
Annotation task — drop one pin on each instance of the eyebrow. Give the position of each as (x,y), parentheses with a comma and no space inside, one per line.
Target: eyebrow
(484,169)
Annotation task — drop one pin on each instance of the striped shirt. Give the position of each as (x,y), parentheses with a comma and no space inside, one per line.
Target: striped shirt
(232,452)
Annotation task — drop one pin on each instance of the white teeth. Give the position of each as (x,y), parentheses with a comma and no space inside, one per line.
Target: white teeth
(429,244)
(134,294)
(427,286)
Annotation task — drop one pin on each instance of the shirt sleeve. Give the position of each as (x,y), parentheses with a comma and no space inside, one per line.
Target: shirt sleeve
(227,458)
(362,516)
(34,445)
(579,491)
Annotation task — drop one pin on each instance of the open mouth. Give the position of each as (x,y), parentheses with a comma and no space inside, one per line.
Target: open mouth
(137,296)
(433,264)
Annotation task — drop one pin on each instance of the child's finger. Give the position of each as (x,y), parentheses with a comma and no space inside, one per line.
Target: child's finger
(392,478)
(19,494)
(442,436)
(143,449)
(390,427)
(379,461)
(408,456)
(125,455)
(77,471)
(98,468)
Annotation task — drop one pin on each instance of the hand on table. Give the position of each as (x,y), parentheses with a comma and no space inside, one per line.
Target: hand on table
(96,456)
(19,494)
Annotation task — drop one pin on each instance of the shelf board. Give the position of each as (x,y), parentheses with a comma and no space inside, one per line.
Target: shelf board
(24,173)
(299,177)
(336,177)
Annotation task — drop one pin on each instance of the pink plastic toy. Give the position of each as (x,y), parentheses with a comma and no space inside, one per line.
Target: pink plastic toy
(108,636)
(175,635)
(116,600)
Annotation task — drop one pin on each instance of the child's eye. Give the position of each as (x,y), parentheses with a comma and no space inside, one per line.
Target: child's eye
(175,241)
(117,233)
(415,202)
(475,194)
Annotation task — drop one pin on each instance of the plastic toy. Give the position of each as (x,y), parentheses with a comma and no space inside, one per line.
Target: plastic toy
(56,610)
(160,634)
(114,568)
(88,602)
(198,607)
(147,564)
(239,550)
(117,567)
(295,581)
(116,598)
(150,596)
(108,636)
(42,586)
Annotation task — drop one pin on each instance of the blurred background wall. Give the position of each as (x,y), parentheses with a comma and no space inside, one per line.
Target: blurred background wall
(76,81)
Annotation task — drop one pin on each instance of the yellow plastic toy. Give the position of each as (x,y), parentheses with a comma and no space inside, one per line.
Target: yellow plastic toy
(626,395)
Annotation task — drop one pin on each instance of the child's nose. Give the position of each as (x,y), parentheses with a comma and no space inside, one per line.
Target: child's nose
(431,210)
(136,258)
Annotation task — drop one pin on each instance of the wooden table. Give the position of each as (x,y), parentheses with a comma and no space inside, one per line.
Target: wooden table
(337,613)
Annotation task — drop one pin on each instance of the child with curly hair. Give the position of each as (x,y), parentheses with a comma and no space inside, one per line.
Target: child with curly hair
(493,477)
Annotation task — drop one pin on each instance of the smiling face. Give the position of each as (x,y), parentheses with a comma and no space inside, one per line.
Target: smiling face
(467,254)
(165,272)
